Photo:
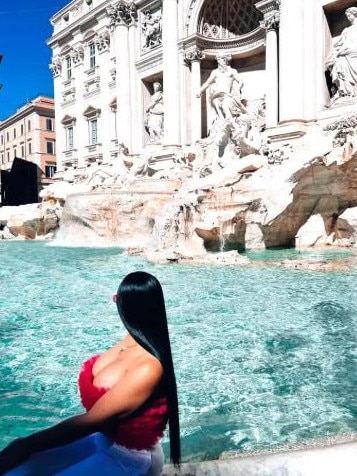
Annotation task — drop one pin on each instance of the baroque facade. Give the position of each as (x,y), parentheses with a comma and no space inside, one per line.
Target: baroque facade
(129,74)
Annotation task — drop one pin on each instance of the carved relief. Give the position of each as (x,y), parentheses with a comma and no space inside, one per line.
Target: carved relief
(151,28)
(103,41)
(77,9)
(69,95)
(77,55)
(92,84)
(56,66)
(113,74)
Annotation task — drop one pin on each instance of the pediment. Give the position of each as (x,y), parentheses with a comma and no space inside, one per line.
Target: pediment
(91,111)
(68,120)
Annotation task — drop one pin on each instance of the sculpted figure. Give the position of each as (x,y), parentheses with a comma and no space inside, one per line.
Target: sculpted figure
(343,61)
(225,90)
(154,121)
(151,28)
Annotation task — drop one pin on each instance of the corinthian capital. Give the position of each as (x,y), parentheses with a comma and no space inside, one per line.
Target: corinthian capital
(271,21)
(122,13)
(193,55)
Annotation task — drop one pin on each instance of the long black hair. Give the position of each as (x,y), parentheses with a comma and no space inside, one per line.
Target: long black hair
(141,306)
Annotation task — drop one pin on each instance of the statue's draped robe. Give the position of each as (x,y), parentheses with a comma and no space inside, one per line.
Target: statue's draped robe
(344,69)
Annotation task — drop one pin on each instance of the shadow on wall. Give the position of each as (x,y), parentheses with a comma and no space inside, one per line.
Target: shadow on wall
(19,186)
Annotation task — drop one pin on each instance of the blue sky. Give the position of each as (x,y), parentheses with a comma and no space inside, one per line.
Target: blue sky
(24,73)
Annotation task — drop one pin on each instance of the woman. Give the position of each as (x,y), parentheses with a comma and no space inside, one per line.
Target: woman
(129,393)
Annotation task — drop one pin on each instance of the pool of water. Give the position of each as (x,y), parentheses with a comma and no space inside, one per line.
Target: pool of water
(263,355)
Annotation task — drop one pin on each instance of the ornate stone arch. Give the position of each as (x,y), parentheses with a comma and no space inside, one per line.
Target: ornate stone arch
(236,17)
(227,18)
(233,25)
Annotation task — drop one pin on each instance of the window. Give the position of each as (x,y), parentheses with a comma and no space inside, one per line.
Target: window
(28,126)
(2,140)
(50,147)
(69,67)
(7,137)
(49,124)
(22,151)
(69,138)
(92,56)
(15,152)
(93,131)
(2,159)
(29,146)
(22,129)
(15,133)
(8,156)
(50,170)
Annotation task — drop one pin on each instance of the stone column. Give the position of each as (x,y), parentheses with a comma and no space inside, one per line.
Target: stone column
(56,68)
(171,91)
(312,61)
(103,47)
(291,58)
(135,120)
(271,24)
(193,58)
(120,18)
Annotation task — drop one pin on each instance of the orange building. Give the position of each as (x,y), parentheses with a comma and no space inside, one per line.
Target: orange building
(29,134)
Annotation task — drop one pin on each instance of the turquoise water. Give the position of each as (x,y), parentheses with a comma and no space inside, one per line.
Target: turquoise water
(263,355)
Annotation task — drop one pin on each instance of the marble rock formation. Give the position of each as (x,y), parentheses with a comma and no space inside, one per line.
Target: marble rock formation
(193,205)
(33,221)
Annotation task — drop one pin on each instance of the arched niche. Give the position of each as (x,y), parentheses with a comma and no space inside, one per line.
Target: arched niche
(222,20)
(230,25)
(227,18)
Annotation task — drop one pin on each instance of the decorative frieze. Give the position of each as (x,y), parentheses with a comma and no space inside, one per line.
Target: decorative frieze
(56,66)
(151,30)
(69,95)
(103,41)
(92,84)
(77,55)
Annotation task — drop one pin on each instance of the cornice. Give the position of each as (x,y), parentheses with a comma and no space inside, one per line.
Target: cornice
(268,6)
(241,44)
(149,61)
(24,112)
(87,18)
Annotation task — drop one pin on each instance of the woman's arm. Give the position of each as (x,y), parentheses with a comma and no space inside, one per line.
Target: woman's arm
(120,401)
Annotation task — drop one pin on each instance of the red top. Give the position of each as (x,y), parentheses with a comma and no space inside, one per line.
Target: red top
(140,431)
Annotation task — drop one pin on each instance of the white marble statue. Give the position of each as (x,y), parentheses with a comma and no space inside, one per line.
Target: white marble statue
(225,87)
(152,30)
(154,121)
(342,62)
